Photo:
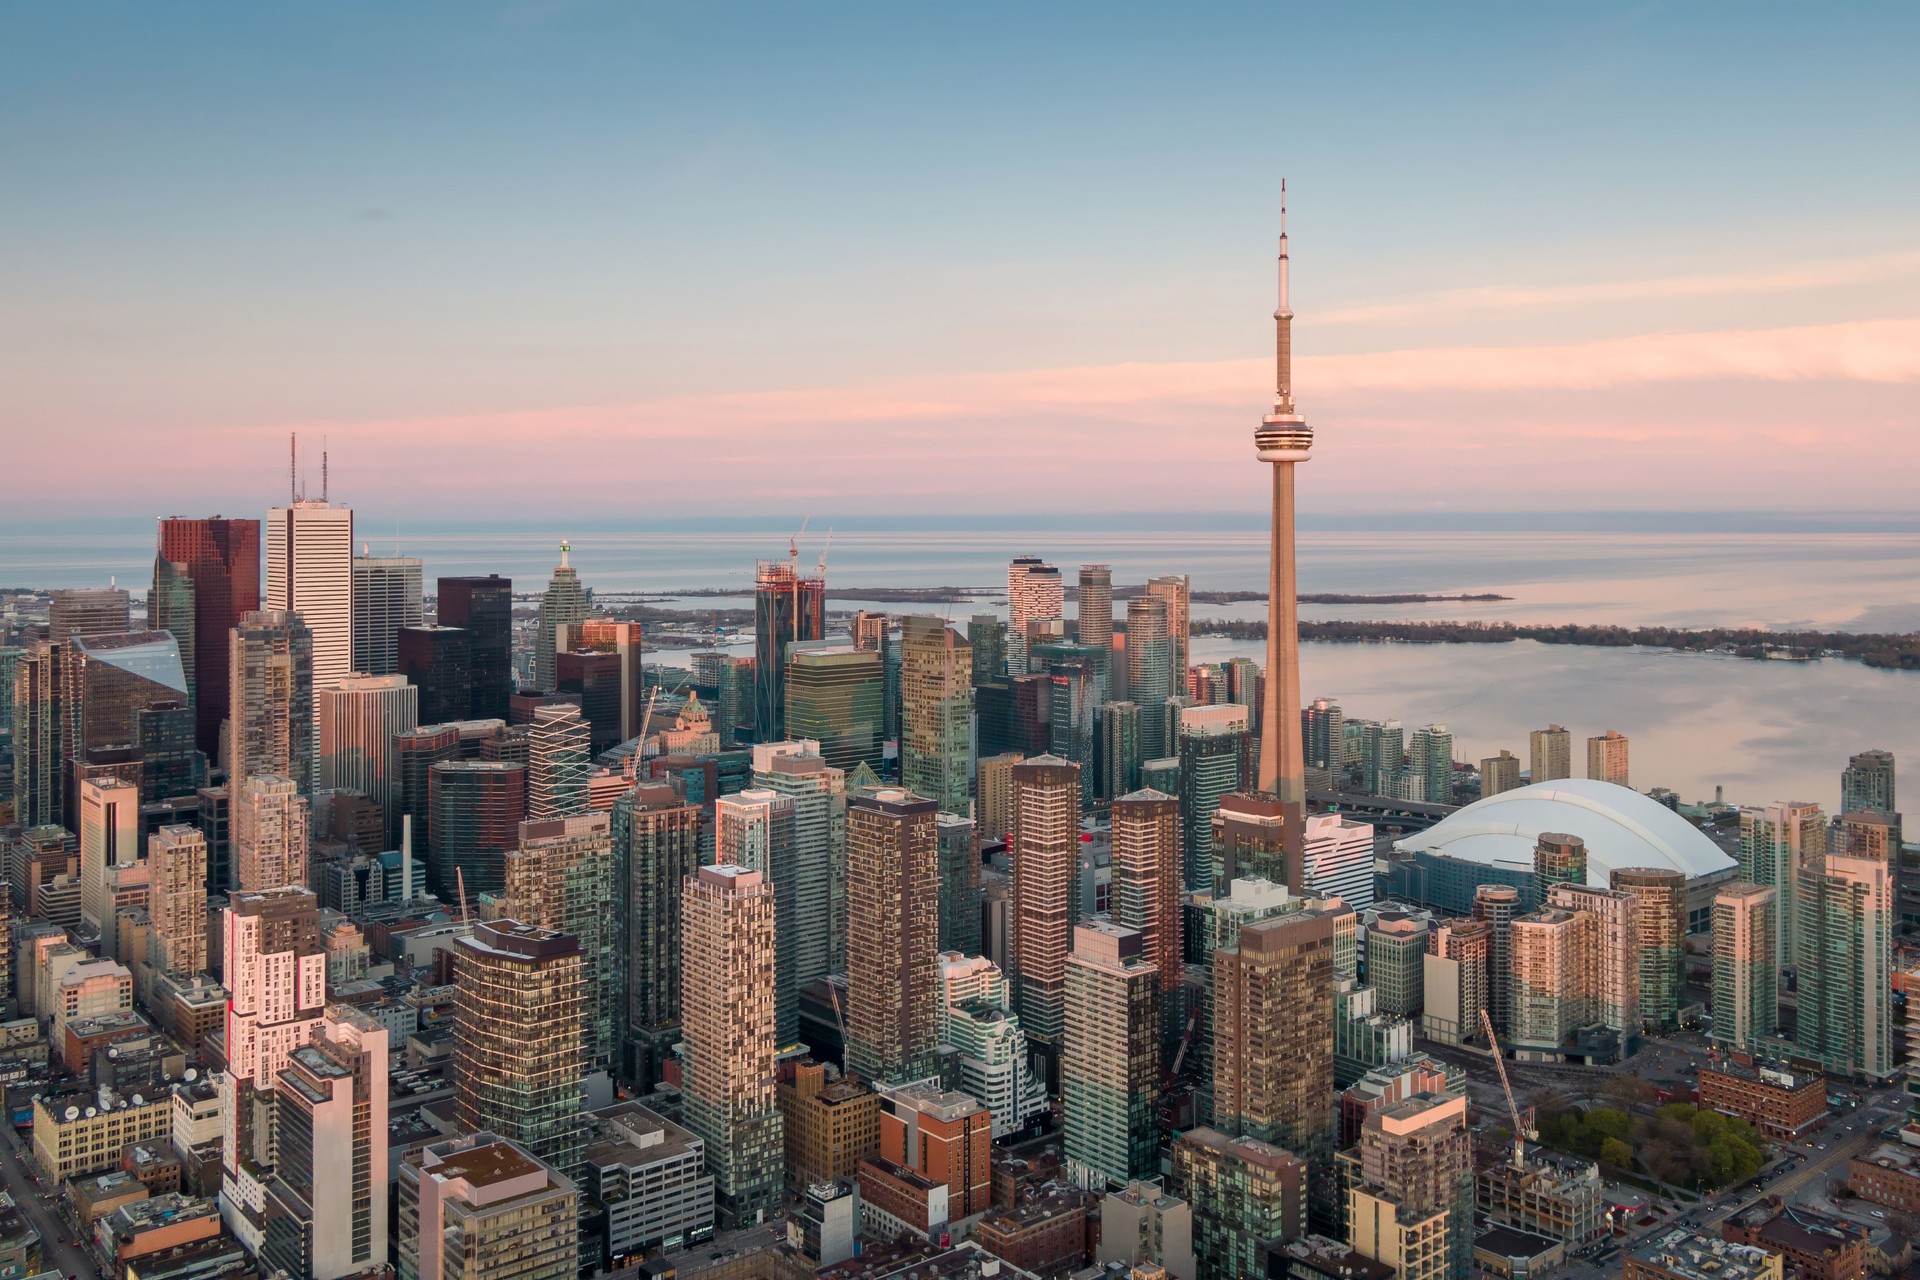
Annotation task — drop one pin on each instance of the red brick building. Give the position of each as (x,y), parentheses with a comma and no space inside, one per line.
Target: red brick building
(1048,1231)
(1812,1245)
(1888,1175)
(1780,1104)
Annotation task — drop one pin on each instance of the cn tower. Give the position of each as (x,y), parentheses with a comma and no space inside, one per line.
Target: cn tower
(1283,439)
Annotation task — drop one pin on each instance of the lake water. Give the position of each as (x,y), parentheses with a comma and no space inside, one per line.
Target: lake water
(1763,730)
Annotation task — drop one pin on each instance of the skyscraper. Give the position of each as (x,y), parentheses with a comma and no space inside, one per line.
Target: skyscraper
(1146,880)
(1035,594)
(562,878)
(359,719)
(177,902)
(387,595)
(1150,671)
(170,609)
(1868,783)
(1413,1188)
(1273,1031)
(1045,847)
(893,935)
(1323,737)
(328,1192)
(836,696)
(1094,622)
(1776,842)
(1176,589)
(1607,758)
(727,1009)
(1558,858)
(87,611)
(115,693)
(436,661)
(976,1018)
(870,630)
(271,675)
(1216,761)
(1383,748)
(936,719)
(1110,1058)
(1499,773)
(810,872)
(1551,754)
(272,833)
(309,555)
(604,662)
(559,762)
(109,829)
(960,899)
(461,1197)
(1430,763)
(1845,968)
(787,607)
(518,995)
(1609,956)
(566,601)
(987,637)
(1119,756)
(1660,938)
(1498,905)
(222,559)
(656,846)
(476,808)
(483,608)
(1746,969)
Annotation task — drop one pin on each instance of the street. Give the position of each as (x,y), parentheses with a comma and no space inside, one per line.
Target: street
(18,1170)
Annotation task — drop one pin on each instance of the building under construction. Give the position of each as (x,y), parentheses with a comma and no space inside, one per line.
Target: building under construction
(786,607)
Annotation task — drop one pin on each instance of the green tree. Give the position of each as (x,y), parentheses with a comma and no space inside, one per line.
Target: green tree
(1616,1153)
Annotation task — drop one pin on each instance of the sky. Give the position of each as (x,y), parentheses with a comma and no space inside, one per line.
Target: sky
(542,259)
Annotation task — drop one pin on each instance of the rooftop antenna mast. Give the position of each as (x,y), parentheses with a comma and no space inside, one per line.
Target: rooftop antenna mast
(323,470)
(293,467)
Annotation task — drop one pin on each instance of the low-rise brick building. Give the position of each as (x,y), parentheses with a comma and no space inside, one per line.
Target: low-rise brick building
(1814,1245)
(1888,1175)
(1780,1104)
(1049,1230)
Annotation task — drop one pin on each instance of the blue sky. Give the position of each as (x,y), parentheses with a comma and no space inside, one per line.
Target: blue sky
(913,257)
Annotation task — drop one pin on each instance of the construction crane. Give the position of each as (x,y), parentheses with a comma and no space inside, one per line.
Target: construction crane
(824,547)
(1186,1041)
(1521,1132)
(646,719)
(460,881)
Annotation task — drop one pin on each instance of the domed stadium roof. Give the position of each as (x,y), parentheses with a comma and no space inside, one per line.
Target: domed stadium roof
(1621,827)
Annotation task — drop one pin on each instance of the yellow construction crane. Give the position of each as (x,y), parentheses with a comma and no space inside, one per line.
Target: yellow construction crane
(1521,1132)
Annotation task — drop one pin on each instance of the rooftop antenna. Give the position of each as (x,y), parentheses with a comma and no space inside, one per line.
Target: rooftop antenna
(293,467)
(565,547)
(323,470)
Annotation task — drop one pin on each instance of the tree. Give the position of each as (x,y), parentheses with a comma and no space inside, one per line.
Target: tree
(1616,1153)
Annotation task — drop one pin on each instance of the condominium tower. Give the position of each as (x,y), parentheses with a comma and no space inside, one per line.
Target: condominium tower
(893,927)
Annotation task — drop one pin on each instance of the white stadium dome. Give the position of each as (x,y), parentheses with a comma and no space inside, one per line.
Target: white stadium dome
(1621,827)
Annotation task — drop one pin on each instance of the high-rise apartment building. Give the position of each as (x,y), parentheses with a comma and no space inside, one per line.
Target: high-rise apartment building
(436,661)
(727,1010)
(977,1019)
(987,637)
(309,560)
(1146,881)
(476,808)
(811,880)
(275,973)
(1073,705)
(1093,614)
(1454,981)
(517,1032)
(1323,735)
(1609,955)
(272,829)
(328,1192)
(893,935)
(1273,1032)
(1045,845)
(994,805)
(1216,761)
(1383,749)
(272,675)
(388,594)
(960,897)
(39,789)
(566,600)
(1607,758)
(478,1207)
(1176,589)
(1396,946)
(559,762)
(222,559)
(1558,858)
(758,829)
(1550,752)
(1548,992)
(483,608)
(359,719)
(177,901)
(656,846)
(1844,964)
(1410,1202)
(1498,906)
(1660,927)
(1776,843)
(1035,593)
(936,712)
(1110,1058)
(1430,764)
(562,878)
(1150,671)
(1868,783)
(1119,751)
(1746,969)
(109,822)
(1499,773)
(1244,1193)
(836,696)
(787,607)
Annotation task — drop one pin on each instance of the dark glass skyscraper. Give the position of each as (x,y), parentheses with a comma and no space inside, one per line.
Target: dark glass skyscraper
(483,608)
(222,558)
(786,607)
(436,661)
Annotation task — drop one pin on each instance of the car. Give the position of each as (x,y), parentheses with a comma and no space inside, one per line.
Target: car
(1878,1214)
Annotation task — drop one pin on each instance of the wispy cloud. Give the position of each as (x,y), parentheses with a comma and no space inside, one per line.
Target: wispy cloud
(1812,275)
